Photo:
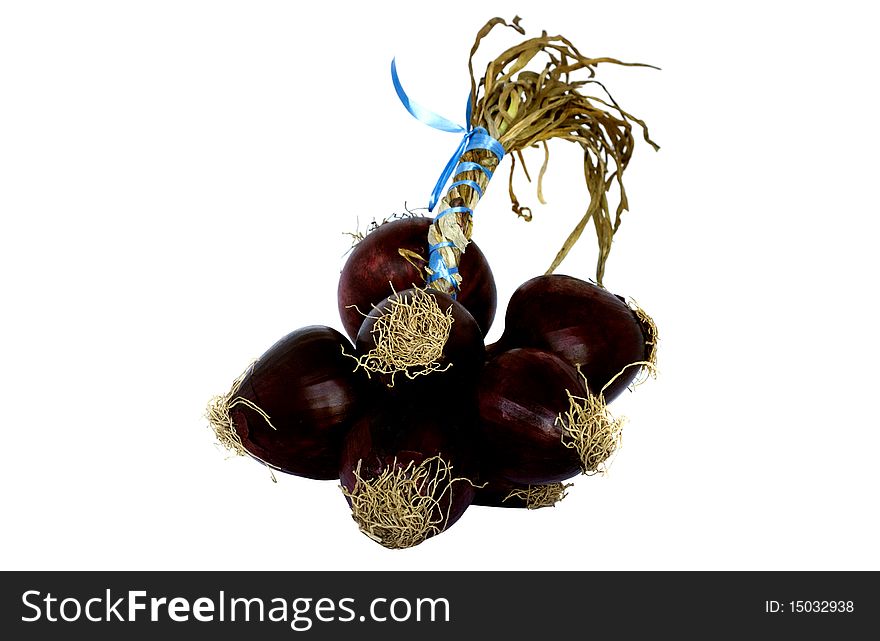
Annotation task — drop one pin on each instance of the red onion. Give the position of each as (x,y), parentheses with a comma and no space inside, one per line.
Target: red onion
(584,324)
(538,423)
(521,395)
(405,471)
(375,269)
(291,409)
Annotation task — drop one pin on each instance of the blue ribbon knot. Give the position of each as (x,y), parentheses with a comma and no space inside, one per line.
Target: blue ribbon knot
(472,138)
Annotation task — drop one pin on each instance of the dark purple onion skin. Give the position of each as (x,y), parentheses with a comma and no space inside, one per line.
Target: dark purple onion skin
(520,395)
(402,433)
(581,322)
(464,352)
(307,387)
(375,269)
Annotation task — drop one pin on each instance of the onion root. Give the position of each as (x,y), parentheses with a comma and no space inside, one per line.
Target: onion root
(218,415)
(401,507)
(652,340)
(409,337)
(590,429)
(538,496)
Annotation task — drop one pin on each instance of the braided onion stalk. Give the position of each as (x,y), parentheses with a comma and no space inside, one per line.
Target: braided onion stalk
(521,108)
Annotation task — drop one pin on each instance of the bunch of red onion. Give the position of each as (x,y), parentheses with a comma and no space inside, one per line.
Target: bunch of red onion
(413,414)
(415,417)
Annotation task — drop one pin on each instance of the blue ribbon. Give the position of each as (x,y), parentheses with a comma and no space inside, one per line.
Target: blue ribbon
(471,139)
(445,243)
(425,115)
(472,166)
(467,183)
(439,268)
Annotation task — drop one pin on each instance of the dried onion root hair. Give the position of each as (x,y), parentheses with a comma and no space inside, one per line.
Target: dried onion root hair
(358,235)
(591,430)
(402,506)
(220,419)
(410,336)
(648,367)
(537,496)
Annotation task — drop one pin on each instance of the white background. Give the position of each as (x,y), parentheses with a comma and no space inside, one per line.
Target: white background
(175,178)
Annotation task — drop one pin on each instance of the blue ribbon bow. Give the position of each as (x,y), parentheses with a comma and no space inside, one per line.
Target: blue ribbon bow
(472,138)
